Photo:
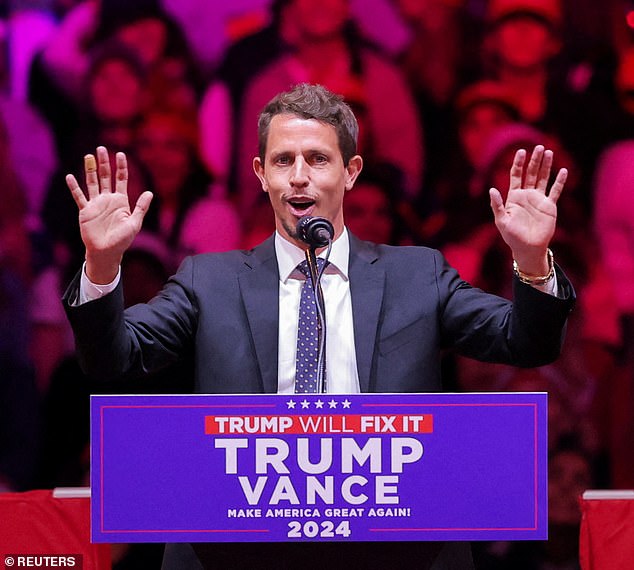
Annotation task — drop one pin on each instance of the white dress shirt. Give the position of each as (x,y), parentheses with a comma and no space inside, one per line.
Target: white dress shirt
(342,376)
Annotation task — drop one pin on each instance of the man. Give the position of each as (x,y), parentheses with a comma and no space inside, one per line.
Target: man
(390,310)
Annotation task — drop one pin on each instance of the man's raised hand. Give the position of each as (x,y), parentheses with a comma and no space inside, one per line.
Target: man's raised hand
(528,218)
(106,223)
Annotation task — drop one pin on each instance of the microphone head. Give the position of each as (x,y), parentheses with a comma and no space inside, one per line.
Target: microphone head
(315,231)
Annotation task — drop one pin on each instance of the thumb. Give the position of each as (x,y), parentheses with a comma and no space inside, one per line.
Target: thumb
(497,204)
(142,206)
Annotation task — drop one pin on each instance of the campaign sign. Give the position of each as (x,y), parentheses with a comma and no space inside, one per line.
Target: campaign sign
(370,467)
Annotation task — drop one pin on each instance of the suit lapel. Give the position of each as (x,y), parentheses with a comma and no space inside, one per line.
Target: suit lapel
(259,287)
(367,283)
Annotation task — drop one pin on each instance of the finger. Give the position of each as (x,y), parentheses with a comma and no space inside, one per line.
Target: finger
(534,166)
(544,171)
(142,206)
(92,183)
(121,174)
(517,169)
(76,192)
(558,185)
(103,169)
(497,204)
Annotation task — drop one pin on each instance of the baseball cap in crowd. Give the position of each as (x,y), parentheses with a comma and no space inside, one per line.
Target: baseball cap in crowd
(487,92)
(505,138)
(547,11)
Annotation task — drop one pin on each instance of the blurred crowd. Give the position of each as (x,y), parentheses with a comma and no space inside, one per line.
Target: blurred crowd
(178,87)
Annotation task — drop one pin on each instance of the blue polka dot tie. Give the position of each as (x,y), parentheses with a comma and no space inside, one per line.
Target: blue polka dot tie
(307,335)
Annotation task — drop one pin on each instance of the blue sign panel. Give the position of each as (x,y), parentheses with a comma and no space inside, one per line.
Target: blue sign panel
(217,468)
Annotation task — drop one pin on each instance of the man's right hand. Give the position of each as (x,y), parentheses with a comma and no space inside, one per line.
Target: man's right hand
(107,226)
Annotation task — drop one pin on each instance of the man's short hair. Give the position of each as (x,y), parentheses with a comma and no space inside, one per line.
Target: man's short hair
(312,102)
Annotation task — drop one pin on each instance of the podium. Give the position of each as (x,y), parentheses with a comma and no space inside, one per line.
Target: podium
(319,468)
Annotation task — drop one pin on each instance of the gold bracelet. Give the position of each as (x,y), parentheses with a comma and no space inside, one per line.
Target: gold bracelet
(536,279)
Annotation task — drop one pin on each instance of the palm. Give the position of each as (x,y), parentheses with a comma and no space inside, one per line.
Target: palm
(530,219)
(106,223)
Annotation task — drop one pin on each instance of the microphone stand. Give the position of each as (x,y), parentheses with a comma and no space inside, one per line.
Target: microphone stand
(315,277)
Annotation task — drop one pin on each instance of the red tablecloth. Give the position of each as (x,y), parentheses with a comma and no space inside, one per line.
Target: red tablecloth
(36,523)
(607,532)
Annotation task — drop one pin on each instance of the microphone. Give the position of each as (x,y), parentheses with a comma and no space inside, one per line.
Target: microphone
(315,231)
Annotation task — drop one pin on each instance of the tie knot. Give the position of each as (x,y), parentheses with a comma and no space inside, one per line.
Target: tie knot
(303,266)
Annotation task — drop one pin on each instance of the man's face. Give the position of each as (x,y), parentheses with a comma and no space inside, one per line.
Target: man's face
(525,43)
(147,37)
(165,153)
(368,213)
(477,126)
(304,174)
(116,91)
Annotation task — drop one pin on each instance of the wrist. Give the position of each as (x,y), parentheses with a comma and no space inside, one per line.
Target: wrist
(102,271)
(532,261)
(535,273)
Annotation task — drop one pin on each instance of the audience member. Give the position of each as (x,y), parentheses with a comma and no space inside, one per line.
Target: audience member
(186,201)
(479,110)
(372,209)
(32,154)
(614,223)
(523,48)
(212,27)
(246,57)
(467,232)
(618,117)
(259,223)
(116,95)
(439,59)
(328,50)
(61,70)
(58,71)
(222,98)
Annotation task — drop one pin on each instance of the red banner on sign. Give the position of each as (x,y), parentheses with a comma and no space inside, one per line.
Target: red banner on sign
(336,424)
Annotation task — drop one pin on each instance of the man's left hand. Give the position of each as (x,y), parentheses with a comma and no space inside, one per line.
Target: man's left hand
(528,219)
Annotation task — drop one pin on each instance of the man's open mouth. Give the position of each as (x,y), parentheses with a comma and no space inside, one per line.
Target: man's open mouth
(301,204)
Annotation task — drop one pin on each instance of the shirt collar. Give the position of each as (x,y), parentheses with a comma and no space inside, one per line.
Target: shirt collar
(289,256)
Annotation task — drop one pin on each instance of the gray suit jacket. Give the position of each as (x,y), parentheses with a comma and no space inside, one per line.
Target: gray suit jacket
(221,311)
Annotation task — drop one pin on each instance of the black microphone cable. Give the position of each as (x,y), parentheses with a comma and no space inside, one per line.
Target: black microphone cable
(318,232)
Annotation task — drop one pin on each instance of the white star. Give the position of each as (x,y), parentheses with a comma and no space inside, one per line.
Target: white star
(319,404)
(290,404)
(346,403)
(305,404)
(332,404)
